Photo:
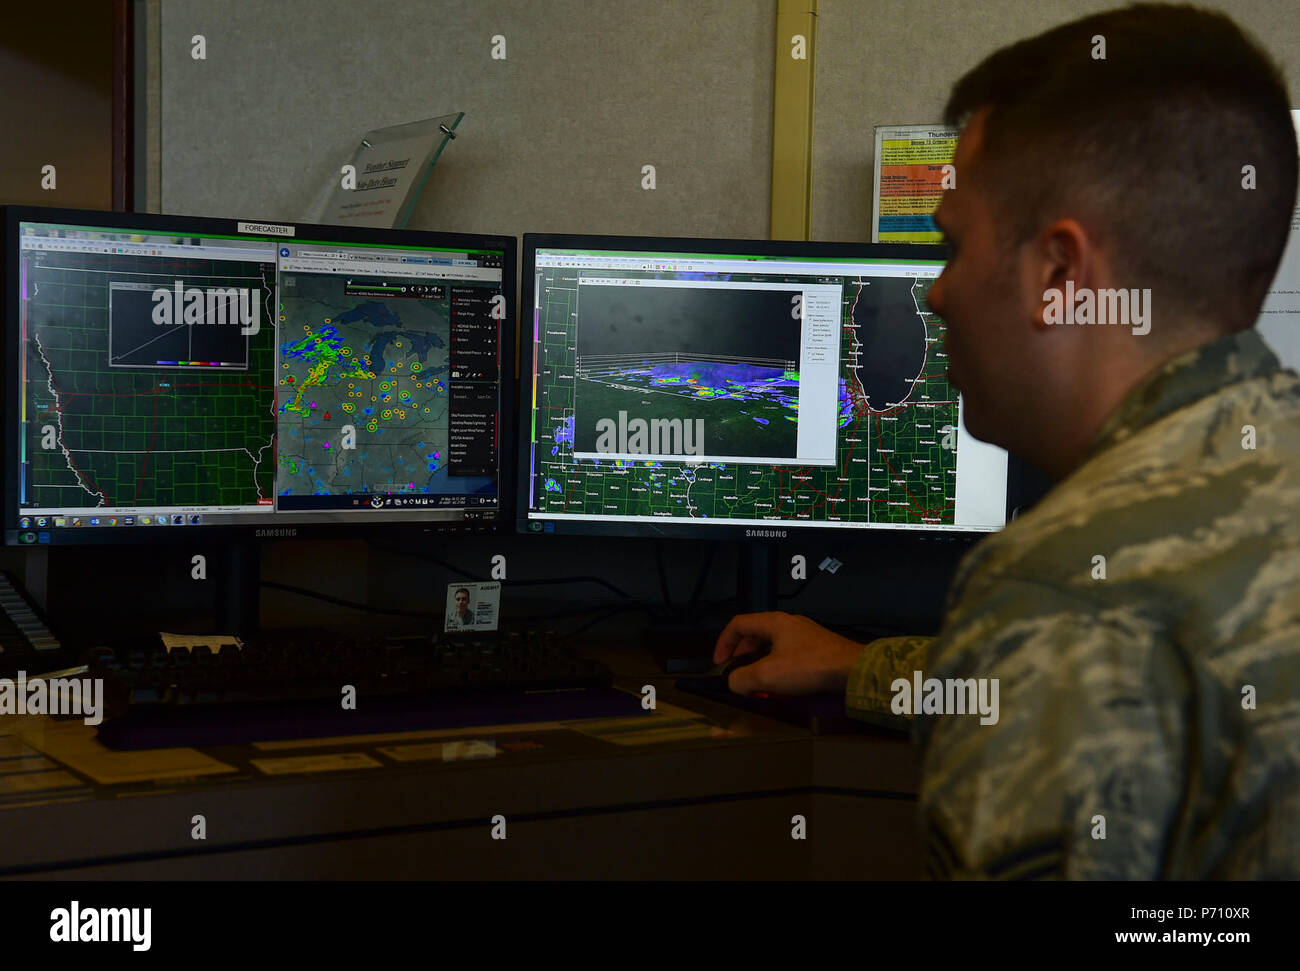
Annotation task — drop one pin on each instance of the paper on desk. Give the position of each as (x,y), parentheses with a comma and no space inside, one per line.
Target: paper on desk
(13,747)
(666,723)
(29,729)
(457,751)
(316,763)
(74,745)
(39,782)
(651,731)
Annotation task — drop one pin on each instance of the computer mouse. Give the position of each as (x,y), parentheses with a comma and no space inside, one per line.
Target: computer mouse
(743,660)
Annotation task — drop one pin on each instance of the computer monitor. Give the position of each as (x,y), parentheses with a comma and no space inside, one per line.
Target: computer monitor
(176,377)
(743,389)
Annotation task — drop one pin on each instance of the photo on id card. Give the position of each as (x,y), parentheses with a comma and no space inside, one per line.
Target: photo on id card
(472,606)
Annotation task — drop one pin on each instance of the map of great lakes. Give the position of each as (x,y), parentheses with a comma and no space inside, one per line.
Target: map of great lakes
(895,408)
(377,364)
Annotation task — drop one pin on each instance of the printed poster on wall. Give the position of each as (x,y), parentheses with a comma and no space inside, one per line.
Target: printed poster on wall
(907,181)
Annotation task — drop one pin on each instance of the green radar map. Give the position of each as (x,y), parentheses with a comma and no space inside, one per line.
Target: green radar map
(361,390)
(121,411)
(895,460)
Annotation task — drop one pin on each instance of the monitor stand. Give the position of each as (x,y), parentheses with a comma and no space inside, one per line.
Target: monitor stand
(683,645)
(755,578)
(239,579)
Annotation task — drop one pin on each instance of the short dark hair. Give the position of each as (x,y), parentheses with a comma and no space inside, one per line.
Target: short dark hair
(461,590)
(1149,145)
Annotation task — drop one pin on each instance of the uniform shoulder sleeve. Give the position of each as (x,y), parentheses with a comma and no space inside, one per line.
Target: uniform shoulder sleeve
(1077,768)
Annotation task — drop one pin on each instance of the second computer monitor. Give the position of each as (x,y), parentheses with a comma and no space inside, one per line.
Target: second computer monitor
(742,388)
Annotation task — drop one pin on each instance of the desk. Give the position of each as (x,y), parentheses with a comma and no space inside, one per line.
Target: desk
(709,794)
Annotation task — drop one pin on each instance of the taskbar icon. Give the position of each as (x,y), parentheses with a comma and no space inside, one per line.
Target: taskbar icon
(66,520)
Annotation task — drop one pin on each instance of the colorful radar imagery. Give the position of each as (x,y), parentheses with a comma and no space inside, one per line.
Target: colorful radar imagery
(749,408)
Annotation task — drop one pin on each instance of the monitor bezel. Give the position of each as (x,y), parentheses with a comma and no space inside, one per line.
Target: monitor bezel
(12,216)
(779,530)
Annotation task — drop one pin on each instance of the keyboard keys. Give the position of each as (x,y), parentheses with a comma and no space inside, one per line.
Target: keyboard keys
(288,667)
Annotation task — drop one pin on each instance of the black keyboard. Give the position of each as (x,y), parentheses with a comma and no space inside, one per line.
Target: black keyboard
(26,644)
(291,685)
(304,667)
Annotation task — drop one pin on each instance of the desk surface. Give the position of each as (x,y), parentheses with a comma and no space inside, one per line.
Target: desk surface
(70,807)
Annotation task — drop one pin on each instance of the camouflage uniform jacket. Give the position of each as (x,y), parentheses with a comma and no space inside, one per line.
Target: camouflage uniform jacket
(1161,702)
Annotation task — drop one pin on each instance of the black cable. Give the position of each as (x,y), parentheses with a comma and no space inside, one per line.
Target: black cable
(802,587)
(548,581)
(606,615)
(805,584)
(575,611)
(569,612)
(663,577)
(445,564)
(452,568)
(424,614)
(606,612)
(355,605)
(702,576)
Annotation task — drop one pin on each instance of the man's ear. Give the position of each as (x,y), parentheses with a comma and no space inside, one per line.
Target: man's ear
(1057,261)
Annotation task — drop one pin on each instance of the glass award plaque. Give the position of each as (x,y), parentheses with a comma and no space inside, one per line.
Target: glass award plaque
(389,169)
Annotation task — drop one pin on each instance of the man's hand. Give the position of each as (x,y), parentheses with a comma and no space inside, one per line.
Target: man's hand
(803,656)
